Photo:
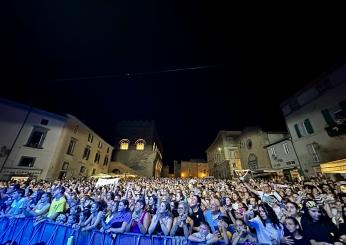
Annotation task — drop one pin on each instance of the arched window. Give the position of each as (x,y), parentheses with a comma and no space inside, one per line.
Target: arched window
(140,144)
(124,144)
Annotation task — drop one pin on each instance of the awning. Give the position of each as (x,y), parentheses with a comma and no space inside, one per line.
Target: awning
(334,167)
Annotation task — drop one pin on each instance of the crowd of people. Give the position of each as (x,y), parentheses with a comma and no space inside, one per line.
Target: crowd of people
(201,210)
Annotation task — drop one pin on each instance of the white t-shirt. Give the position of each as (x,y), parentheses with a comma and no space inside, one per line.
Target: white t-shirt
(267,234)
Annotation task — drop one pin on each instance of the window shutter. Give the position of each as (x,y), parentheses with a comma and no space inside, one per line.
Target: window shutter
(297,130)
(327,117)
(308,126)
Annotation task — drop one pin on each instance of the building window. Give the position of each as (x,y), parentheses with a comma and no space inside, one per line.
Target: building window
(303,128)
(86,153)
(124,144)
(296,127)
(44,122)
(285,145)
(107,149)
(140,144)
(82,170)
(100,145)
(27,161)
(37,137)
(65,166)
(71,146)
(313,150)
(105,162)
(308,126)
(272,151)
(94,171)
(249,144)
(97,157)
(90,138)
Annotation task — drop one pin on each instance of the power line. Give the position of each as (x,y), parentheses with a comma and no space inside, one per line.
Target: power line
(128,75)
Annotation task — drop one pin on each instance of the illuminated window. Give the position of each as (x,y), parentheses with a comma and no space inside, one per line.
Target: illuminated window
(124,144)
(140,144)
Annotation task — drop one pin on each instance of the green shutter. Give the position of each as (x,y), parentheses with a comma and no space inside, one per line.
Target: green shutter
(297,130)
(308,126)
(327,117)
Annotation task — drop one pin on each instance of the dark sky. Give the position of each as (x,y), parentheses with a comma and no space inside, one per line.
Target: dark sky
(115,60)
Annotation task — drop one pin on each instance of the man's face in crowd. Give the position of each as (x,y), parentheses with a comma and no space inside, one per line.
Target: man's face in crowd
(194,201)
(15,195)
(214,205)
(203,229)
(266,187)
(162,207)
(56,192)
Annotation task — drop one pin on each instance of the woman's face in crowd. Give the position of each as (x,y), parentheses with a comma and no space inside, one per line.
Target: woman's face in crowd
(109,196)
(246,195)
(262,213)
(162,208)
(290,226)
(291,210)
(181,209)
(228,201)
(93,208)
(138,206)
(172,205)
(151,200)
(121,206)
(314,213)
(82,217)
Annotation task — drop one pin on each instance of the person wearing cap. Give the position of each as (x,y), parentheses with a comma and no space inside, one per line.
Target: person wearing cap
(317,226)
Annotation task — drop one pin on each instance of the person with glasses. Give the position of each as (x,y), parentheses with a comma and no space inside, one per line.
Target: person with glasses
(182,225)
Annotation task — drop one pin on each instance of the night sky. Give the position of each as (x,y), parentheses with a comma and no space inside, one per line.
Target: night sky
(194,68)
